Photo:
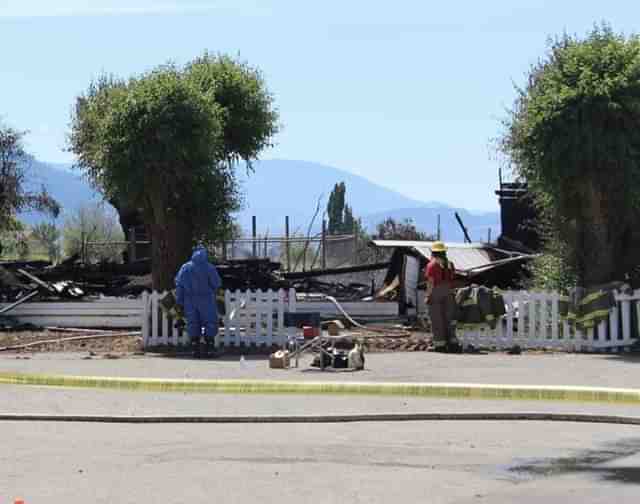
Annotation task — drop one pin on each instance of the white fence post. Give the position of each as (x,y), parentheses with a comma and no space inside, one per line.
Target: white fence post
(282,337)
(226,332)
(165,324)
(240,317)
(614,322)
(292,330)
(626,320)
(154,318)
(269,314)
(508,299)
(500,334)
(554,299)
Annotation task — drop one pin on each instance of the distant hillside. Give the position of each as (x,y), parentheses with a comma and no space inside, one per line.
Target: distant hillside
(278,188)
(426,219)
(64,184)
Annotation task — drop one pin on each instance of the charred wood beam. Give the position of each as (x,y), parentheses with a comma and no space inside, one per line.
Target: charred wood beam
(335,271)
(464,229)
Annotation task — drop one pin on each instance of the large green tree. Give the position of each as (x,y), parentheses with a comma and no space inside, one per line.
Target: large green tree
(574,136)
(168,142)
(16,194)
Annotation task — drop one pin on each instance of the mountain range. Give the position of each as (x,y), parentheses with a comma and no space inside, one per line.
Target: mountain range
(277,188)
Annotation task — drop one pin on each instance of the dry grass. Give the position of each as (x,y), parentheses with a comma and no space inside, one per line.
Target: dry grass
(119,345)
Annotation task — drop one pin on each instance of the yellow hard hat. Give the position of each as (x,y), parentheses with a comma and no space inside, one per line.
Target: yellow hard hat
(438,247)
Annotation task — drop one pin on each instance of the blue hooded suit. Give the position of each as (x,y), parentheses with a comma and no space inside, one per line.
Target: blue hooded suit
(196,285)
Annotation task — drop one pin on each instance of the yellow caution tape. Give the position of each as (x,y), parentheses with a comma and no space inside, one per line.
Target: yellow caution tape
(433,390)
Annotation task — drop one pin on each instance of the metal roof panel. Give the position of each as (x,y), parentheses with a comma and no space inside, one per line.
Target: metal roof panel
(462,258)
(407,243)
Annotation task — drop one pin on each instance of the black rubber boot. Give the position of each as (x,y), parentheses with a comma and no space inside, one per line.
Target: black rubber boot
(197,349)
(454,347)
(212,351)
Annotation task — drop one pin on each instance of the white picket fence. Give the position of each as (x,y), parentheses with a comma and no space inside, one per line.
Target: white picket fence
(258,320)
(533,321)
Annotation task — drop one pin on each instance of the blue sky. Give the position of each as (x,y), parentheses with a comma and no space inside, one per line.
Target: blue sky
(407,93)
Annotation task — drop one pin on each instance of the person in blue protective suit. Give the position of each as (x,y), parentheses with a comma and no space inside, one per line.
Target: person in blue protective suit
(196,286)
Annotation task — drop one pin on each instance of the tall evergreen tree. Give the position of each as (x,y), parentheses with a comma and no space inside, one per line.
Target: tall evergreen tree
(336,208)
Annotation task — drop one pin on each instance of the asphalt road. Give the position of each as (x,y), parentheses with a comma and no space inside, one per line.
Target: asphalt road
(352,463)
(550,369)
(453,462)
(69,401)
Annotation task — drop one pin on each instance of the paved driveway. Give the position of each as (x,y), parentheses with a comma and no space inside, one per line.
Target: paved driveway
(354,463)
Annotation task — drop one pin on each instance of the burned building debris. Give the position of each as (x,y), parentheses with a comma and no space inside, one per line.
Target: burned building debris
(398,279)
(518,218)
(73,279)
(350,283)
(475,263)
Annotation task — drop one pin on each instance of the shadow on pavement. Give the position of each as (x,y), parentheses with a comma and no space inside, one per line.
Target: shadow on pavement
(630,357)
(584,462)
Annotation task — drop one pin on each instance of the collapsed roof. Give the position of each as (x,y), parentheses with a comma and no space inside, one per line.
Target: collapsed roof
(474,263)
(469,259)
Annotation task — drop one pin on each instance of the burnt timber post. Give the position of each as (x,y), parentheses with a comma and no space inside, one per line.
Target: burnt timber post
(253,234)
(132,244)
(464,229)
(355,244)
(286,245)
(324,244)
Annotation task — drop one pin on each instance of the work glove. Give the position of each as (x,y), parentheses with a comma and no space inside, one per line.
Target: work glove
(178,316)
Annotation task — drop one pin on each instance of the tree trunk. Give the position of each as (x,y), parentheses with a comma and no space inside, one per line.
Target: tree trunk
(171,236)
(164,259)
(598,239)
(171,248)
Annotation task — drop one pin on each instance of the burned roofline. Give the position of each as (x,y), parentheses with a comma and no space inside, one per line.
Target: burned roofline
(496,258)
(336,271)
(411,244)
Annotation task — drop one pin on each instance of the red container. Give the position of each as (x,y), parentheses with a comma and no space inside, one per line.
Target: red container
(310,332)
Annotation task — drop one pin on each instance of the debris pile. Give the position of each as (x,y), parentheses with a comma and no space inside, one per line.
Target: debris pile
(72,279)
(243,274)
(347,292)
(69,279)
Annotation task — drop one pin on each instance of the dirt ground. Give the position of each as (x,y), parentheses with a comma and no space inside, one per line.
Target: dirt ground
(132,345)
(111,346)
